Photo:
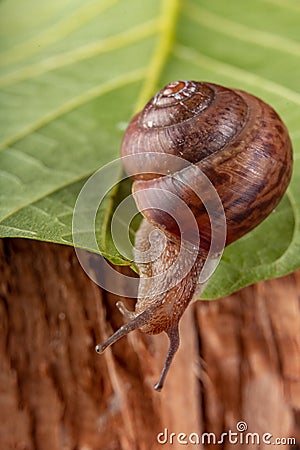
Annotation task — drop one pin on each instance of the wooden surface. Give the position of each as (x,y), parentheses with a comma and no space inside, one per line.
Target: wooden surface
(239,360)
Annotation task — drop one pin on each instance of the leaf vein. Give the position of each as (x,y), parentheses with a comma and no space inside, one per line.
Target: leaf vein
(284,4)
(169,14)
(81,99)
(236,73)
(55,33)
(240,31)
(40,197)
(81,53)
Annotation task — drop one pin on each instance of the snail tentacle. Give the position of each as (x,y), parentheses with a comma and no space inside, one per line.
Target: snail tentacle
(241,145)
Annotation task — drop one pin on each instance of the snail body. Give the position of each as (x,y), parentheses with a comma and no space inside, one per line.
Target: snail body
(243,147)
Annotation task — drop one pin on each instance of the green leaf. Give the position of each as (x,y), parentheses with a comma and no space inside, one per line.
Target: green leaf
(73,73)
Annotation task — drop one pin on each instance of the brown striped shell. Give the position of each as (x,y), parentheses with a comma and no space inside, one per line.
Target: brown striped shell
(241,145)
(236,139)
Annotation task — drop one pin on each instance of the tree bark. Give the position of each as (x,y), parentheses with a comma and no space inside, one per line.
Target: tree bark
(239,360)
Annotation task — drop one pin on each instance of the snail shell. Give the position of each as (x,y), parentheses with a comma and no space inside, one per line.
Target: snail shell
(240,143)
(236,139)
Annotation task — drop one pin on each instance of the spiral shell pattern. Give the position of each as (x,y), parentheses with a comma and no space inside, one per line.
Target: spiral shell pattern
(235,138)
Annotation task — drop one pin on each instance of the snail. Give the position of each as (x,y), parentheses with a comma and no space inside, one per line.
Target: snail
(240,143)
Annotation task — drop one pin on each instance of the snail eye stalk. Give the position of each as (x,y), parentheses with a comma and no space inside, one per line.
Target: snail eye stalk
(227,136)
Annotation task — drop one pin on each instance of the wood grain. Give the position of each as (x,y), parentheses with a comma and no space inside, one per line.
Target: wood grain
(239,360)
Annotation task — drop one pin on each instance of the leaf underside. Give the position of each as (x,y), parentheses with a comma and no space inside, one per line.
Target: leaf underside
(74,72)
